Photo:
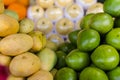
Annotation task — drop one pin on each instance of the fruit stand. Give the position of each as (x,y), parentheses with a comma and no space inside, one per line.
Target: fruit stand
(59,39)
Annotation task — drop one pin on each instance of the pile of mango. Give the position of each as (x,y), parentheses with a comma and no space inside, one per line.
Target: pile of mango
(23,50)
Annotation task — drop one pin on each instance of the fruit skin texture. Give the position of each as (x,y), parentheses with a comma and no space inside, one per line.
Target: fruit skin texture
(11,13)
(77,60)
(92,73)
(66,74)
(41,75)
(8,25)
(44,25)
(72,36)
(88,39)
(39,41)
(113,38)
(64,26)
(85,21)
(112,7)
(96,8)
(26,25)
(114,74)
(12,77)
(24,2)
(5,60)
(1,6)
(102,22)
(60,59)
(45,3)
(8,2)
(34,12)
(105,57)
(24,64)
(48,58)
(66,47)
(20,9)
(16,44)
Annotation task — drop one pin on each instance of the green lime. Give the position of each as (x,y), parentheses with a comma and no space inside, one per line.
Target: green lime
(92,73)
(102,22)
(77,60)
(63,47)
(60,59)
(66,47)
(112,7)
(105,57)
(113,38)
(72,36)
(114,74)
(88,39)
(85,22)
(66,74)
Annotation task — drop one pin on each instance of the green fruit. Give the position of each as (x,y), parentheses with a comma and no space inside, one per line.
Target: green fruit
(105,57)
(102,22)
(11,13)
(26,25)
(85,22)
(66,74)
(112,7)
(114,74)
(88,39)
(51,45)
(66,47)
(60,59)
(72,36)
(113,38)
(48,58)
(39,41)
(92,73)
(77,60)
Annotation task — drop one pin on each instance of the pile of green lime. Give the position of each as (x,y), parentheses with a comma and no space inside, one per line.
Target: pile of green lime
(97,46)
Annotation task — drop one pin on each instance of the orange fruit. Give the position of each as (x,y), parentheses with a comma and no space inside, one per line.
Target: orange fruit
(8,2)
(18,8)
(24,2)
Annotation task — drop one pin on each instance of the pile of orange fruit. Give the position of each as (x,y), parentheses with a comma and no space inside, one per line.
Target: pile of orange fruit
(19,6)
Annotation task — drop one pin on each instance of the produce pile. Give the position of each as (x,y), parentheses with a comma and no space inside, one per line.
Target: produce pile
(91,51)
(17,6)
(57,18)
